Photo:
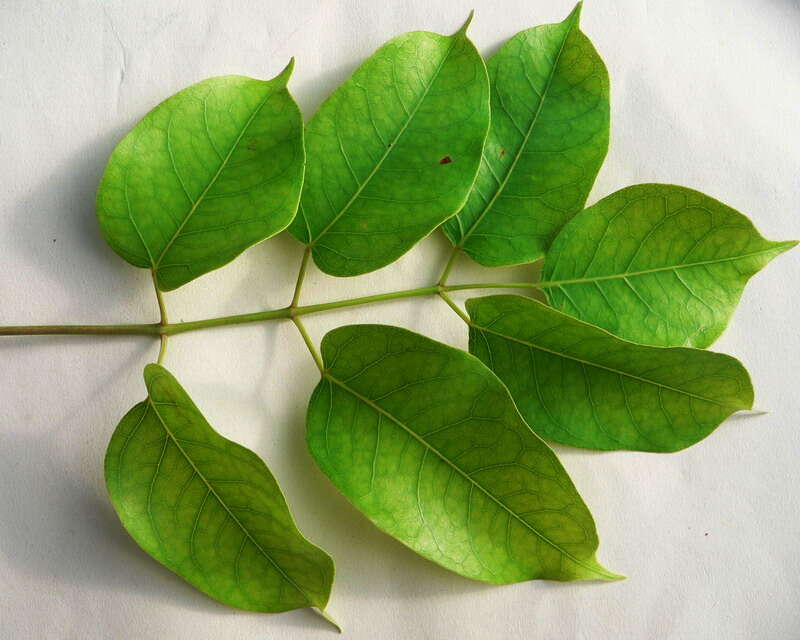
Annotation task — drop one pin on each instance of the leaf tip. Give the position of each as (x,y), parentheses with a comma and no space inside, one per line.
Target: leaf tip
(599,572)
(610,576)
(463,30)
(327,616)
(575,15)
(283,76)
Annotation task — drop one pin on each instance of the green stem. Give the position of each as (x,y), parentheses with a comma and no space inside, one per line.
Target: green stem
(455,307)
(449,266)
(301,277)
(289,312)
(83,330)
(259,316)
(162,309)
(499,285)
(309,343)
(162,350)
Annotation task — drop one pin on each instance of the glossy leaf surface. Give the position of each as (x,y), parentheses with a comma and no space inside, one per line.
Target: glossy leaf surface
(209,509)
(549,136)
(657,264)
(393,152)
(426,441)
(209,172)
(582,386)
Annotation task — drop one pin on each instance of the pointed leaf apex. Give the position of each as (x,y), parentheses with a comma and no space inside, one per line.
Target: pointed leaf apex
(328,618)
(463,30)
(603,573)
(613,577)
(784,246)
(283,76)
(575,14)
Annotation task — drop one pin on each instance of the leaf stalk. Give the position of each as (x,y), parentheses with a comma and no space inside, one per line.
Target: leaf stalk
(162,310)
(312,349)
(449,266)
(301,277)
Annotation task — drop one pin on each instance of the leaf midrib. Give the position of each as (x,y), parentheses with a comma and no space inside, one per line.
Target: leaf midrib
(605,368)
(781,246)
(501,187)
(442,457)
(224,505)
(223,164)
(391,146)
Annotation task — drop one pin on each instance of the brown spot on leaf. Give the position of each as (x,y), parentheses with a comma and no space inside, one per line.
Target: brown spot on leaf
(446,160)
(502,152)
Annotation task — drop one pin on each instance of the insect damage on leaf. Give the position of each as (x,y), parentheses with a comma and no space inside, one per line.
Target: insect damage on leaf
(372,187)
(547,140)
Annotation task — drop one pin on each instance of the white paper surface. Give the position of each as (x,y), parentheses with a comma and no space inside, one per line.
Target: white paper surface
(704,94)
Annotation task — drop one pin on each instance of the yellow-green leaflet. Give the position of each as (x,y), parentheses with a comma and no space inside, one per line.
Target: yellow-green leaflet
(548,138)
(209,172)
(656,263)
(426,441)
(393,152)
(209,509)
(577,384)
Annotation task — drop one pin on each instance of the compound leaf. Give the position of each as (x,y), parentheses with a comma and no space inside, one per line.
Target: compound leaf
(393,152)
(211,171)
(426,441)
(209,509)
(577,384)
(657,264)
(548,138)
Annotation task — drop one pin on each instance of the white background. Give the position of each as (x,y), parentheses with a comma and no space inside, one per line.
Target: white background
(704,94)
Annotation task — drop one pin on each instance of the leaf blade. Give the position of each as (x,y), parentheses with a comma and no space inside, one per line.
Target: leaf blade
(658,264)
(390,154)
(547,141)
(203,490)
(417,432)
(211,171)
(579,385)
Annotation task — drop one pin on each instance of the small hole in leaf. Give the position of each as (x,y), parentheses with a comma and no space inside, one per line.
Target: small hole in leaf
(446,160)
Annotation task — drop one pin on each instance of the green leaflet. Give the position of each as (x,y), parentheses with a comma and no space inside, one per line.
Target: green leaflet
(577,384)
(426,441)
(393,152)
(549,136)
(209,509)
(657,264)
(209,172)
